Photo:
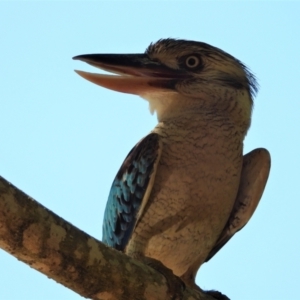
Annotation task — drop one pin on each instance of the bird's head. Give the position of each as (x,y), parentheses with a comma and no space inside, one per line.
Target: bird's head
(177,76)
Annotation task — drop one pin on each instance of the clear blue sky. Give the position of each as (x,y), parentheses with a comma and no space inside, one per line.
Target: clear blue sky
(63,138)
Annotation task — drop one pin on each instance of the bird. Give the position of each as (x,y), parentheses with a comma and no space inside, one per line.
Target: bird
(186,188)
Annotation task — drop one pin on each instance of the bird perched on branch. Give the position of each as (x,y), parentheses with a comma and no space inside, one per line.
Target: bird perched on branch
(185,189)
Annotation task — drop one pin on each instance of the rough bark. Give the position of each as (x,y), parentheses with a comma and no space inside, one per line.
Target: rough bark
(56,248)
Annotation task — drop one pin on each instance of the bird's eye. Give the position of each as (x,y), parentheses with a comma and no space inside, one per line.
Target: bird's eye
(192,61)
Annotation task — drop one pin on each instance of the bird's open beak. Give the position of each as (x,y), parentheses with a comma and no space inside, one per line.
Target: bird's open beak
(136,73)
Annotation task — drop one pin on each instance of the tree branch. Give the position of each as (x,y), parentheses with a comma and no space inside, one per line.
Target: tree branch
(51,245)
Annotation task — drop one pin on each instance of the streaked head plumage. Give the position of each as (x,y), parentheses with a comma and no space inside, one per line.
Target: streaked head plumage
(232,72)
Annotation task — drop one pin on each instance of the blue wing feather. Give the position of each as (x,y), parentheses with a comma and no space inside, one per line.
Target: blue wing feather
(128,191)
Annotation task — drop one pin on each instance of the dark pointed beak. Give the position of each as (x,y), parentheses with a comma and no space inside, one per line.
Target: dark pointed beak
(135,73)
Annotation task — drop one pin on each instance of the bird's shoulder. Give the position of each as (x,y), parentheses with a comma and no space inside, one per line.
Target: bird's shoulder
(130,191)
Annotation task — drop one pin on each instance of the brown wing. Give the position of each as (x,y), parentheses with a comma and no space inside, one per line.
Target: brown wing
(254,176)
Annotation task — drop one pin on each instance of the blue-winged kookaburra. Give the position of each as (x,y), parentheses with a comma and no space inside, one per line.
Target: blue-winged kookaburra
(185,189)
